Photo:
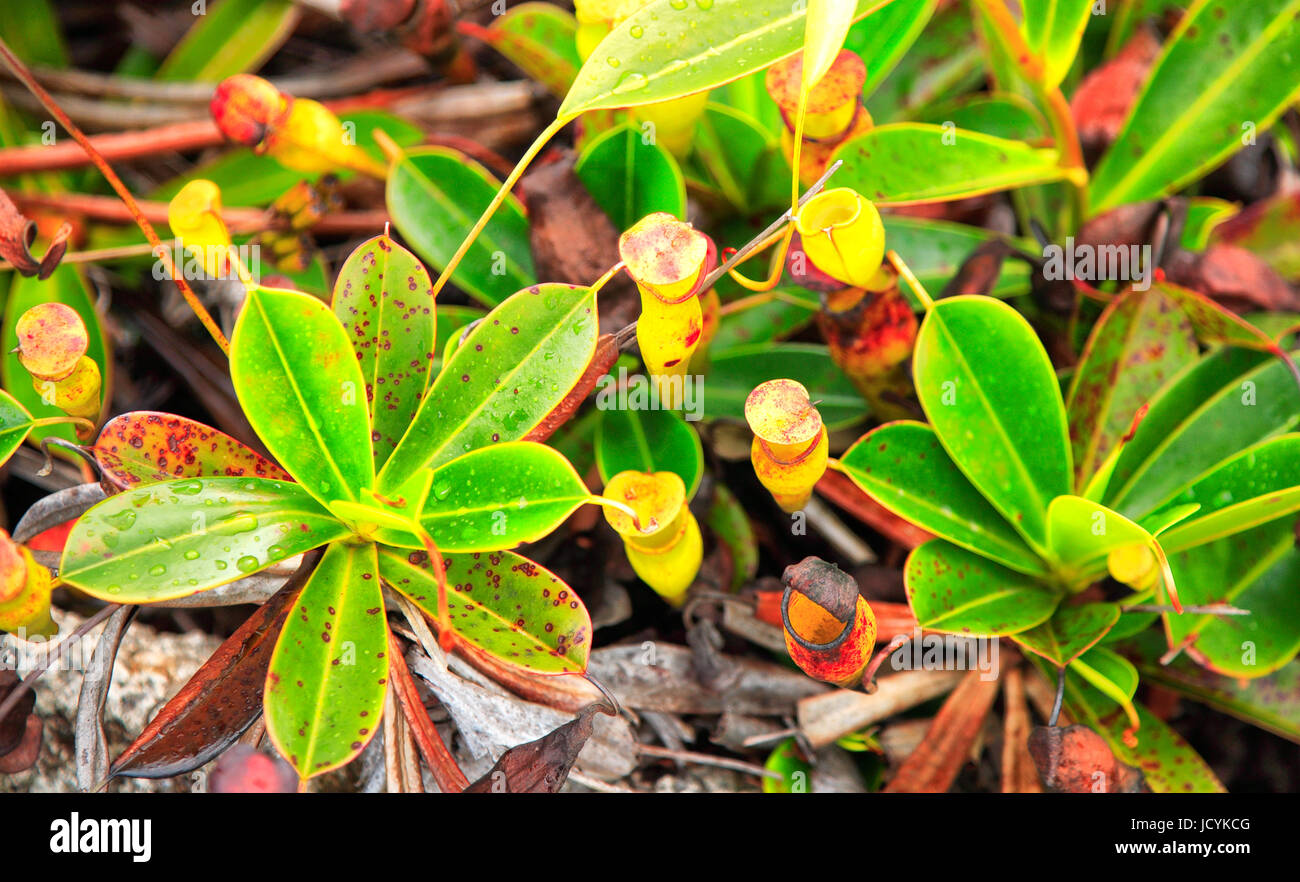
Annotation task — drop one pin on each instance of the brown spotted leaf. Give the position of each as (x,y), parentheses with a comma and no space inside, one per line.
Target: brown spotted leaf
(1234,278)
(221,700)
(143,447)
(539,766)
(502,604)
(384,298)
(1140,342)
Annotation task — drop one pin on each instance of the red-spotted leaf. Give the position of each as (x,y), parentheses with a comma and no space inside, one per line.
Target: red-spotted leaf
(1070,632)
(1141,341)
(540,38)
(956,591)
(221,700)
(177,538)
(143,447)
(328,678)
(301,388)
(384,298)
(1226,403)
(1255,570)
(501,603)
(1271,702)
(512,370)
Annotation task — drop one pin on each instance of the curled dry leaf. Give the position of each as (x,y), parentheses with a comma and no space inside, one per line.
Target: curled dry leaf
(17,233)
(540,766)
(221,700)
(28,750)
(1235,278)
(1075,759)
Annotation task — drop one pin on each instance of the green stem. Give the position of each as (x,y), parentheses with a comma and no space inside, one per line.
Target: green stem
(529,155)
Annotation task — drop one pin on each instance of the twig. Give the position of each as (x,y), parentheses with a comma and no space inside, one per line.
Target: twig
(361,74)
(82,630)
(1060,696)
(25,76)
(705,759)
(773,228)
(439,759)
(238,220)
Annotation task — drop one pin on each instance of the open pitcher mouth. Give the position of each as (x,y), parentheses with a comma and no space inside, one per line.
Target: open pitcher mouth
(829,210)
(830,645)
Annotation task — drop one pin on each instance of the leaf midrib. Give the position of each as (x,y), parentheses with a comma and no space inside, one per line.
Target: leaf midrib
(1209,96)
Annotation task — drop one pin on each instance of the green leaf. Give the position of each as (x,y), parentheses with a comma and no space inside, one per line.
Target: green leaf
(435,195)
(934,250)
(778,318)
(734,155)
(301,388)
(328,678)
(1272,702)
(33,31)
(1260,484)
(1255,570)
(384,299)
(630,178)
(1005,115)
(497,497)
(540,39)
(1072,631)
(748,97)
(1081,533)
(1109,673)
(1140,342)
(1053,29)
(177,538)
(826,26)
(907,163)
(507,375)
(509,607)
(1225,72)
(144,447)
(234,36)
(958,592)
(729,522)
(903,466)
(1227,402)
(649,441)
(883,37)
(786,760)
(670,48)
(946,59)
(65,286)
(992,396)
(15,423)
(734,374)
